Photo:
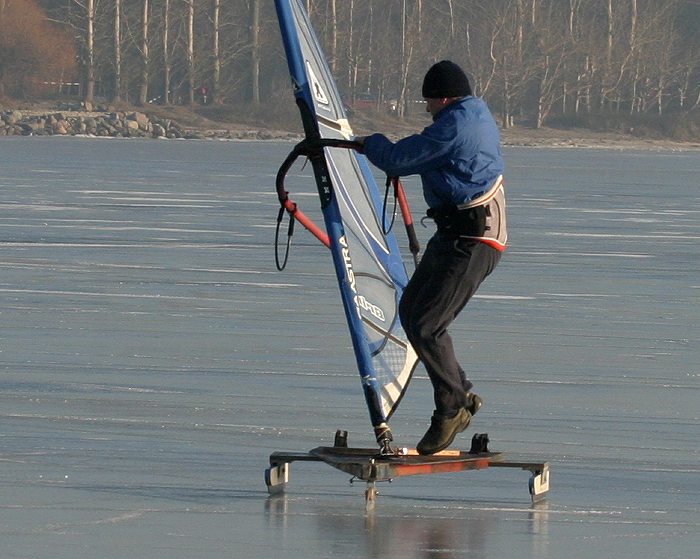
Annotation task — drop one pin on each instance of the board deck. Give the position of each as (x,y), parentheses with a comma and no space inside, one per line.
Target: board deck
(368,465)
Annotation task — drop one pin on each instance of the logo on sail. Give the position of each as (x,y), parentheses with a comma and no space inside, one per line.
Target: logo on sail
(373,309)
(316,87)
(360,300)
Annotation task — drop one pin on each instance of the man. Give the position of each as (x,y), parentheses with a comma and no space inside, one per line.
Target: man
(459,160)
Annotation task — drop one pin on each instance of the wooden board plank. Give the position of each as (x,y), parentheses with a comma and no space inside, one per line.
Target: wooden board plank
(369,465)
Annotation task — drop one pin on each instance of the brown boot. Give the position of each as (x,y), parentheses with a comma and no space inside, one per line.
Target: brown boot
(474,402)
(443,431)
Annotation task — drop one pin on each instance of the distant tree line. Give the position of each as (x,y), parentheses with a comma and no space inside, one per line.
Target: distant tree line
(531,59)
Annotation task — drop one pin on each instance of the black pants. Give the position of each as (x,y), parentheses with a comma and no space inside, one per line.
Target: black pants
(446,278)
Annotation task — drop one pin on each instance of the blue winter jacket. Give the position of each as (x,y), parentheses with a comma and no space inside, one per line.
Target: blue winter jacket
(458,156)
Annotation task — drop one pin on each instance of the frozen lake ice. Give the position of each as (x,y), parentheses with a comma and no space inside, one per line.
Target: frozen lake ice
(152,357)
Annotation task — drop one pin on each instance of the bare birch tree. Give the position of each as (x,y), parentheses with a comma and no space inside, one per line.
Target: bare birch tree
(216,54)
(90,51)
(143,89)
(255,51)
(116,94)
(166,52)
(190,52)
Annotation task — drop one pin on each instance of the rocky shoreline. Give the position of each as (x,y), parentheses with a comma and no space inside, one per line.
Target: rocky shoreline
(115,124)
(107,122)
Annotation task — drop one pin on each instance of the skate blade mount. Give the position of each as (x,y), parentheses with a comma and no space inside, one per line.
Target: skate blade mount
(372,465)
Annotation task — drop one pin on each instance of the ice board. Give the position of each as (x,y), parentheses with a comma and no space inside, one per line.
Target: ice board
(367,464)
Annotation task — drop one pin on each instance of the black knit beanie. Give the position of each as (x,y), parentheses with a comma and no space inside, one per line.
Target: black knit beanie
(445,79)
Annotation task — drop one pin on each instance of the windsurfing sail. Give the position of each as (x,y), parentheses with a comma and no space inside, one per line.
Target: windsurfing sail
(371,273)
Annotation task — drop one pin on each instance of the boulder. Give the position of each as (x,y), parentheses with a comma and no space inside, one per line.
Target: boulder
(140,118)
(90,125)
(60,128)
(12,117)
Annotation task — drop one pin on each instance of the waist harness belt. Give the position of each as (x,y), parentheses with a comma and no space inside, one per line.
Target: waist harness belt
(458,222)
(482,219)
